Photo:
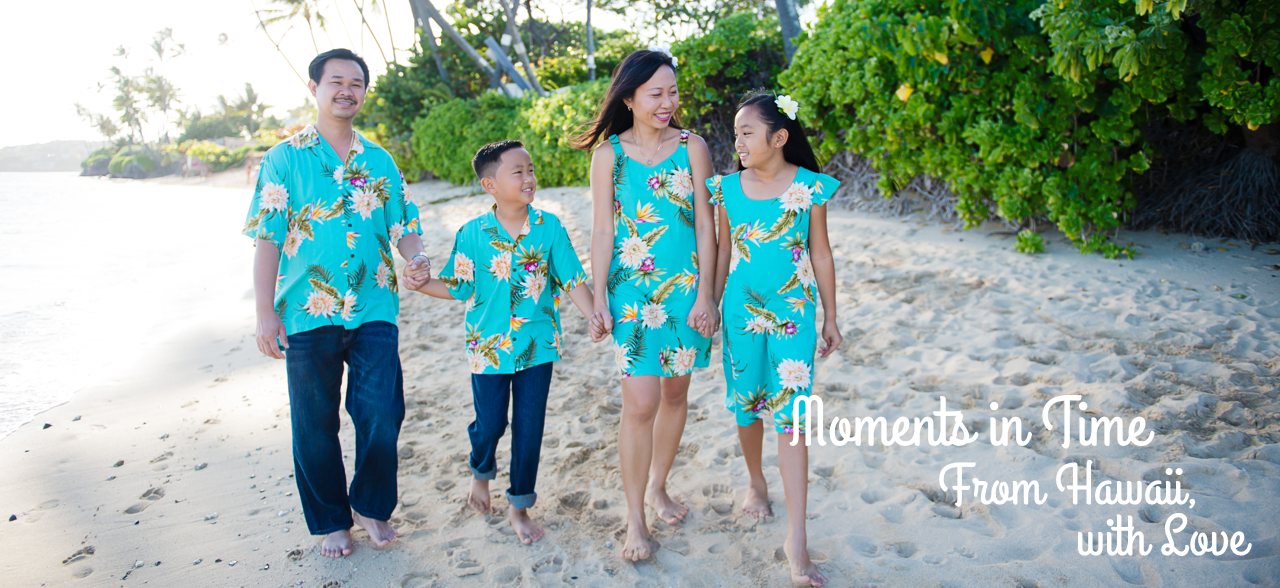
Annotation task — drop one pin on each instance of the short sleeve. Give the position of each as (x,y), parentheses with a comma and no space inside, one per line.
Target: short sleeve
(401,213)
(566,270)
(268,217)
(459,272)
(717,194)
(824,187)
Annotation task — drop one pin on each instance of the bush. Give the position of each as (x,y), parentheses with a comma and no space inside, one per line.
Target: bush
(547,126)
(741,53)
(217,157)
(97,163)
(446,138)
(962,91)
(570,69)
(135,162)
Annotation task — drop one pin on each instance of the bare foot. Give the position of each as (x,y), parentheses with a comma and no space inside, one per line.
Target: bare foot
(757,502)
(527,530)
(479,499)
(336,544)
(638,545)
(803,571)
(670,511)
(380,532)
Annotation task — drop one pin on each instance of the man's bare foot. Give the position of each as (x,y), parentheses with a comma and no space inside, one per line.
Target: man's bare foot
(670,511)
(380,532)
(336,544)
(479,499)
(757,502)
(638,545)
(803,571)
(527,530)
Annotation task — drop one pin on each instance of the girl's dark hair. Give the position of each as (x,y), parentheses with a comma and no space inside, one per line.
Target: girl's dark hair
(797,150)
(612,117)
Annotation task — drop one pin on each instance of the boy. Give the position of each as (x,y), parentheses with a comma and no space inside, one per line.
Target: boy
(524,259)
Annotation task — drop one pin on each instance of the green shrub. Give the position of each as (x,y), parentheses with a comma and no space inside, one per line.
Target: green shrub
(742,52)
(570,68)
(962,91)
(217,157)
(97,163)
(447,137)
(1029,241)
(547,125)
(133,161)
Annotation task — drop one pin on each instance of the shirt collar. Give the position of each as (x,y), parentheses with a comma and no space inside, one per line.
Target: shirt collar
(309,138)
(535,218)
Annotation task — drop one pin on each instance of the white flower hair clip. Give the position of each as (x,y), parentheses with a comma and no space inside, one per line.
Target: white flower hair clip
(665,51)
(787,105)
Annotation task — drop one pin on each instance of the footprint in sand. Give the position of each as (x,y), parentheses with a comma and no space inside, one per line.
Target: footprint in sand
(548,565)
(151,495)
(420,580)
(82,553)
(507,575)
(574,501)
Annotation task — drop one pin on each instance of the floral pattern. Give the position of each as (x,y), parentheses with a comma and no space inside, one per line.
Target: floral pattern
(769,334)
(653,276)
(335,223)
(512,302)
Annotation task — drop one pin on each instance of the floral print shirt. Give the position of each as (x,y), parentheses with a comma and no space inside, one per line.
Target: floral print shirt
(335,222)
(512,287)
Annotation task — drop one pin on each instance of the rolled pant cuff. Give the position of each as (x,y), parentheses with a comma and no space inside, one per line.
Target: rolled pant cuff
(522,500)
(479,475)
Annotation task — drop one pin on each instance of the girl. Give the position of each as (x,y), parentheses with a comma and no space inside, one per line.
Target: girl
(773,253)
(651,227)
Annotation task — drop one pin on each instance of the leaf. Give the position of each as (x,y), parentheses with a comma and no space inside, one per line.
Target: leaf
(652,236)
(762,313)
(503,245)
(526,356)
(635,342)
(792,282)
(327,289)
(780,400)
(356,280)
(783,224)
(617,277)
(686,216)
(619,170)
(669,285)
(319,272)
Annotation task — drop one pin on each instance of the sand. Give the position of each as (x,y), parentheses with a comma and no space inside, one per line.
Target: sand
(180,473)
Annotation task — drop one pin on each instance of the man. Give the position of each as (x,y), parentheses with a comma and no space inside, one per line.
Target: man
(328,207)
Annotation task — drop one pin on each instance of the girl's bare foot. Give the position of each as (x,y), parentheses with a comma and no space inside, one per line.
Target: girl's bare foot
(380,532)
(336,544)
(479,499)
(803,571)
(527,530)
(757,502)
(670,511)
(639,544)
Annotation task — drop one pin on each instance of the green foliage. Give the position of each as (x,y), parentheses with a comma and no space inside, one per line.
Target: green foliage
(741,53)
(445,139)
(962,91)
(400,96)
(97,163)
(1029,241)
(217,157)
(570,67)
(134,161)
(547,125)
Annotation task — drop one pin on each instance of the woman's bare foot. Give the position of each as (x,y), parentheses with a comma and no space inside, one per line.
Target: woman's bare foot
(639,544)
(380,532)
(670,511)
(803,571)
(757,502)
(527,530)
(479,499)
(336,544)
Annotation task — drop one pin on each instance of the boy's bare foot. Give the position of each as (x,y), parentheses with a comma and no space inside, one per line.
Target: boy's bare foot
(670,511)
(803,571)
(757,502)
(380,532)
(527,530)
(638,545)
(479,499)
(336,544)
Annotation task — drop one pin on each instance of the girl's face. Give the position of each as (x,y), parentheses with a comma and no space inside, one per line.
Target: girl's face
(752,140)
(656,101)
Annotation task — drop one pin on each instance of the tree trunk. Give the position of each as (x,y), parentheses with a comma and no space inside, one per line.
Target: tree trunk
(790,21)
(430,37)
(591,47)
(510,8)
(360,8)
(426,7)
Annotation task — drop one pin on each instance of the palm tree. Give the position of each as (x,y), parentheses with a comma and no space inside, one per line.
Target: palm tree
(307,10)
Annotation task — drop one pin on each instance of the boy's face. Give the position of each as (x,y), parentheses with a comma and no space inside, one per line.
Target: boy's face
(512,181)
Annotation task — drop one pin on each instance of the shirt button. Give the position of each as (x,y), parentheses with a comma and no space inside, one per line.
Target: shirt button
(348,224)
(353,255)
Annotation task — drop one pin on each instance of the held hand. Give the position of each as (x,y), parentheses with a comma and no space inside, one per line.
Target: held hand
(831,338)
(601,318)
(703,318)
(597,329)
(415,276)
(270,329)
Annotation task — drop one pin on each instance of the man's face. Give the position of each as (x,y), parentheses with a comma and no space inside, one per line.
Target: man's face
(340,92)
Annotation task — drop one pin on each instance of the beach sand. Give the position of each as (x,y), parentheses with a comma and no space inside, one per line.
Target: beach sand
(181,472)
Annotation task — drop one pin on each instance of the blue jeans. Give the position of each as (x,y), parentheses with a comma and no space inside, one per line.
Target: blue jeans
(375,401)
(526,393)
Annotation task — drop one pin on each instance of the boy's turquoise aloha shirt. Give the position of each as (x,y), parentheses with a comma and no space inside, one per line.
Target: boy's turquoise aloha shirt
(335,222)
(512,287)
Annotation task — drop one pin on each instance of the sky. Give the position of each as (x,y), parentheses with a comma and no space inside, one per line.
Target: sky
(72,46)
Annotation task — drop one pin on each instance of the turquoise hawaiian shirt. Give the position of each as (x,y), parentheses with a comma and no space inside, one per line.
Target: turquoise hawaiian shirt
(512,288)
(335,222)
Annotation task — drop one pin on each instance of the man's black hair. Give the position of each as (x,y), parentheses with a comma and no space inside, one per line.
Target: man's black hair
(316,69)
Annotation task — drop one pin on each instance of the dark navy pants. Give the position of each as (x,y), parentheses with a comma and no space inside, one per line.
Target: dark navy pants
(525,392)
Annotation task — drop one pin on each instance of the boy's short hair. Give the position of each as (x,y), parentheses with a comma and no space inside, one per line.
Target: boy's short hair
(487,157)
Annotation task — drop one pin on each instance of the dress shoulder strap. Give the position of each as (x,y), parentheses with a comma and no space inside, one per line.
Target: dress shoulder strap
(684,137)
(617,145)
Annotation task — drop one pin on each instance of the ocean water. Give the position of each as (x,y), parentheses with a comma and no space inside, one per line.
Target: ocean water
(95,273)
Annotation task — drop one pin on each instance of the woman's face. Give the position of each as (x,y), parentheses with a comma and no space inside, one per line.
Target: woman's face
(752,140)
(656,101)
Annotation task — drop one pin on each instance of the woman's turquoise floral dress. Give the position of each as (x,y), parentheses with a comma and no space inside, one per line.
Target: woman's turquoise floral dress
(769,299)
(653,276)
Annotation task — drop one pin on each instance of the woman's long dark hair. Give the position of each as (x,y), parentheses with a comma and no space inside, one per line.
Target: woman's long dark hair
(797,150)
(612,117)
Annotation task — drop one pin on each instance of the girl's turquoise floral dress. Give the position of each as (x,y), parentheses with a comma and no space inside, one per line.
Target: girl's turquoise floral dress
(653,277)
(769,298)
